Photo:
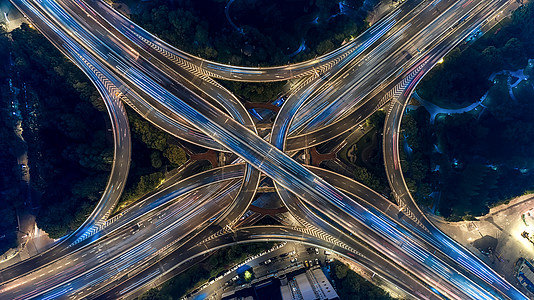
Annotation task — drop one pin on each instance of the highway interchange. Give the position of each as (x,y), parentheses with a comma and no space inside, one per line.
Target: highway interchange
(172,228)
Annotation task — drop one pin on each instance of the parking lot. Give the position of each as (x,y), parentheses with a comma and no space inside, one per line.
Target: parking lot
(503,224)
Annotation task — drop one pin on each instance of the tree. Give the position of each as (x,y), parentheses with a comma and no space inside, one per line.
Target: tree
(154,139)
(366,177)
(324,47)
(155,159)
(350,285)
(341,271)
(209,53)
(493,57)
(175,155)
(377,119)
(514,53)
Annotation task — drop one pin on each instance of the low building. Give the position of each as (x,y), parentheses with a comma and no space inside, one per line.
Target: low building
(306,289)
(311,285)
(323,286)
(525,274)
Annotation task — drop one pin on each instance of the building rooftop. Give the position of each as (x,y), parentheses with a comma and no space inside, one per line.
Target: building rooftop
(525,274)
(310,285)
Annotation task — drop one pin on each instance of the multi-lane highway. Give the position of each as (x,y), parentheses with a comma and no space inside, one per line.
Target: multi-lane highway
(174,91)
(203,67)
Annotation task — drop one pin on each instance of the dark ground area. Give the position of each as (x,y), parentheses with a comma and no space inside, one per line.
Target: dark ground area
(11,192)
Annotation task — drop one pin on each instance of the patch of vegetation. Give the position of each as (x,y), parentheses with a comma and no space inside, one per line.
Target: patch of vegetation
(482,161)
(369,170)
(12,146)
(271,32)
(154,152)
(350,285)
(64,126)
(416,165)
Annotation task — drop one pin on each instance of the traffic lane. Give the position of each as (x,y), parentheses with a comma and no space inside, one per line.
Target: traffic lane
(199,185)
(173,263)
(121,160)
(208,68)
(353,120)
(316,88)
(376,57)
(377,68)
(348,233)
(359,191)
(203,86)
(241,203)
(153,234)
